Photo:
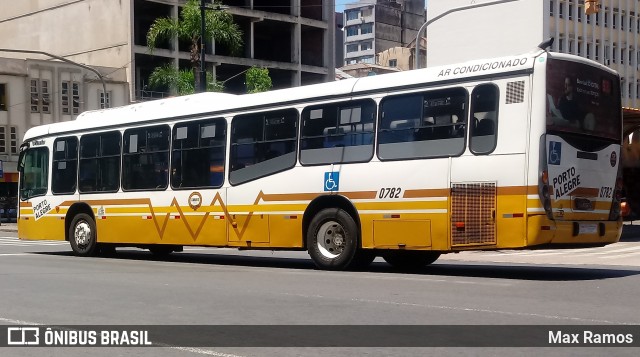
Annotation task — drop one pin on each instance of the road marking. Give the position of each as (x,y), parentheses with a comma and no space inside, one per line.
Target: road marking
(9,254)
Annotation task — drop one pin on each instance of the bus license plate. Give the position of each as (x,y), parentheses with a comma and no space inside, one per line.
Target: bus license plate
(588,228)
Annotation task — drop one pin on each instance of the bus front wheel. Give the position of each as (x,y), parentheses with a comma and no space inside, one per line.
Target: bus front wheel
(83,235)
(410,260)
(332,239)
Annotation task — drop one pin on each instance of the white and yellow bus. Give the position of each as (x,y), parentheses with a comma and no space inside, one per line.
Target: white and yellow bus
(505,153)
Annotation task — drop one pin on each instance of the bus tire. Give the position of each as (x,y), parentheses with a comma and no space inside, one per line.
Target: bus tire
(411,259)
(332,239)
(362,259)
(83,235)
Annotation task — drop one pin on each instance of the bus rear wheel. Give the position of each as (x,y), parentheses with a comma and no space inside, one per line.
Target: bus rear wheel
(410,260)
(83,235)
(332,240)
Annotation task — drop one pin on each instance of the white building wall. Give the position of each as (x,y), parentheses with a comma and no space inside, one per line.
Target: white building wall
(611,38)
(490,31)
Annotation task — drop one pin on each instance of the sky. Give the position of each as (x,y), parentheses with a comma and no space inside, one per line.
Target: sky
(340,4)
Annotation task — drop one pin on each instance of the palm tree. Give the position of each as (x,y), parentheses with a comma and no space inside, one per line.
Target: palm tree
(180,80)
(219,25)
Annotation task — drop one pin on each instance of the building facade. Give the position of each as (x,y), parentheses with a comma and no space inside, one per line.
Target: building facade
(370,27)
(611,36)
(37,92)
(293,38)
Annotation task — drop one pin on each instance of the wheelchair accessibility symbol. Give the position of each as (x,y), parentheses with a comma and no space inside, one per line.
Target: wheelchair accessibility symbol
(555,153)
(331,181)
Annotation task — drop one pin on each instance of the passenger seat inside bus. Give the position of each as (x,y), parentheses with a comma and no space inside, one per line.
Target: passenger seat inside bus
(485,127)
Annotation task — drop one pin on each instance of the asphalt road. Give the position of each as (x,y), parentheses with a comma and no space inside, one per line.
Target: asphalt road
(42,283)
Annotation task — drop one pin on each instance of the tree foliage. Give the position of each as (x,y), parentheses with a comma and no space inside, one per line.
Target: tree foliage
(258,80)
(180,80)
(219,25)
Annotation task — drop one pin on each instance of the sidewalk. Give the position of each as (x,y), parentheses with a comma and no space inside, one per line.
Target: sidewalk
(8,227)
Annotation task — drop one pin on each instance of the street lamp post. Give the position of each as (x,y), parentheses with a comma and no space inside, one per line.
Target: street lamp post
(104,86)
(466,7)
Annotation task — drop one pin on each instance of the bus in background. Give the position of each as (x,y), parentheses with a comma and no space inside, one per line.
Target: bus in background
(505,153)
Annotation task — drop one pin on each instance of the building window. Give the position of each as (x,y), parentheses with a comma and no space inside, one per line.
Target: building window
(597,19)
(606,19)
(597,52)
(35,96)
(622,22)
(105,102)
(353,14)
(352,31)
(561,45)
(393,63)
(366,28)
(551,8)
(580,10)
(560,10)
(13,139)
(3,97)
(613,20)
(9,146)
(571,47)
(352,48)
(39,89)
(366,46)
(570,11)
(615,50)
(588,50)
(579,48)
(70,96)
(3,139)
(76,97)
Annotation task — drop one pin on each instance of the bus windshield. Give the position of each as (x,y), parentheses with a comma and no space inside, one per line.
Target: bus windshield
(582,99)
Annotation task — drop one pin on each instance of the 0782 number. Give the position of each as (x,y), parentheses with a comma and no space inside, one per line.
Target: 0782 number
(390,192)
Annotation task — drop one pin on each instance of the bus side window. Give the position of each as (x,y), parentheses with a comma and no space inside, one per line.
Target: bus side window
(338,132)
(146,158)
(262,144)
(198,154)
(99,166)
(422,125)
(484,110)
(65,165)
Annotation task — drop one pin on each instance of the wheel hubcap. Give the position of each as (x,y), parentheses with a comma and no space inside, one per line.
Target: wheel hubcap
(82,234)
(331,239)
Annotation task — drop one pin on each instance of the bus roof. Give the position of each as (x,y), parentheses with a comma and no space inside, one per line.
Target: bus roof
(204,103)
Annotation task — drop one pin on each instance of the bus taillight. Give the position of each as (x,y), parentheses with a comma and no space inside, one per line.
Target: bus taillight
(543,189)
(616,203)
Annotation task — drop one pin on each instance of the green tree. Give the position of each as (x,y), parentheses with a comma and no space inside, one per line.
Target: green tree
(258,80)
(219,25)
(180,80)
